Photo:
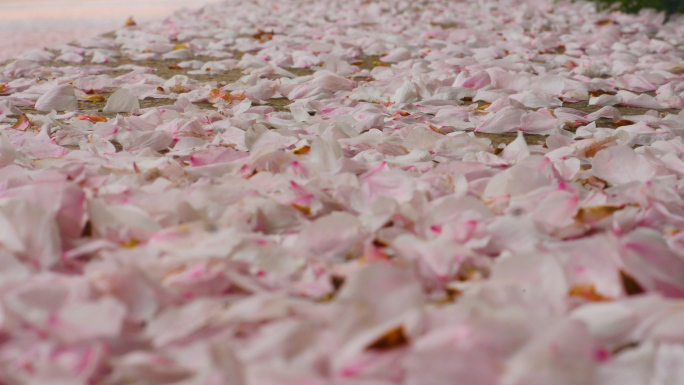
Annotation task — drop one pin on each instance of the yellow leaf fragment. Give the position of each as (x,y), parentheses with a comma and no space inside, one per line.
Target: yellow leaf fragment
(23,123)
(306,210)
(95,98)
(131,243)
(302,150)
(588,292)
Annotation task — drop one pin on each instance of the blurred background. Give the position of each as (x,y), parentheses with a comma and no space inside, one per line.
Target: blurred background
(32,24)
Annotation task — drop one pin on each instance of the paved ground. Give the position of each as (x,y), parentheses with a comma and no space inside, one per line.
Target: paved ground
(349,192)
(29,24)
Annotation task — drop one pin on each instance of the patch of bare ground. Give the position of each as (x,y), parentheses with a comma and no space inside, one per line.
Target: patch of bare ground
(230,76)
(279,104)
(480,104)
(110,35)
(87,107)
(369,62)
(158,102)
(301,71)
(624,110)
(446,25)
(508,137)
(97,105)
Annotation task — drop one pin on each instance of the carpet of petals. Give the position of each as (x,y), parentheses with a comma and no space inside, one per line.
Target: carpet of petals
(347,193)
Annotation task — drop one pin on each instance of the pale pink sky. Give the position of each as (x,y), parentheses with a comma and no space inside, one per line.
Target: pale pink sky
(31,24)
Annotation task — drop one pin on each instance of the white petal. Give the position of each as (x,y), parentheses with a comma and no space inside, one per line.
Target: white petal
(121,101)
(59,98)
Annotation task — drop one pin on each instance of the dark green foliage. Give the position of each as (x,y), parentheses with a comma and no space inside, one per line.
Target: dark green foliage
(633,6)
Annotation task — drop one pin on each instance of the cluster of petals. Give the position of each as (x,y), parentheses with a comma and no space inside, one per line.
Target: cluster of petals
(370,232)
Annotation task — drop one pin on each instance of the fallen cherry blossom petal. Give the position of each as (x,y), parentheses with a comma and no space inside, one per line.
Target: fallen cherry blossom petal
(58,98)
(121,101)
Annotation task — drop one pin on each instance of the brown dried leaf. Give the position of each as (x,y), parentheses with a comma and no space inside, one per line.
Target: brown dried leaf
(451,295)
(597,93)
(571,125)
(467,272)
(178,89)
(152,175)
(379,243)
(595,182)
(596,146)
(595,213)
(337,282)
(392,339)
(263,36)
(87,230)
(621,122)
(622,348)
(93,118)
(630,285)
(97,118)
